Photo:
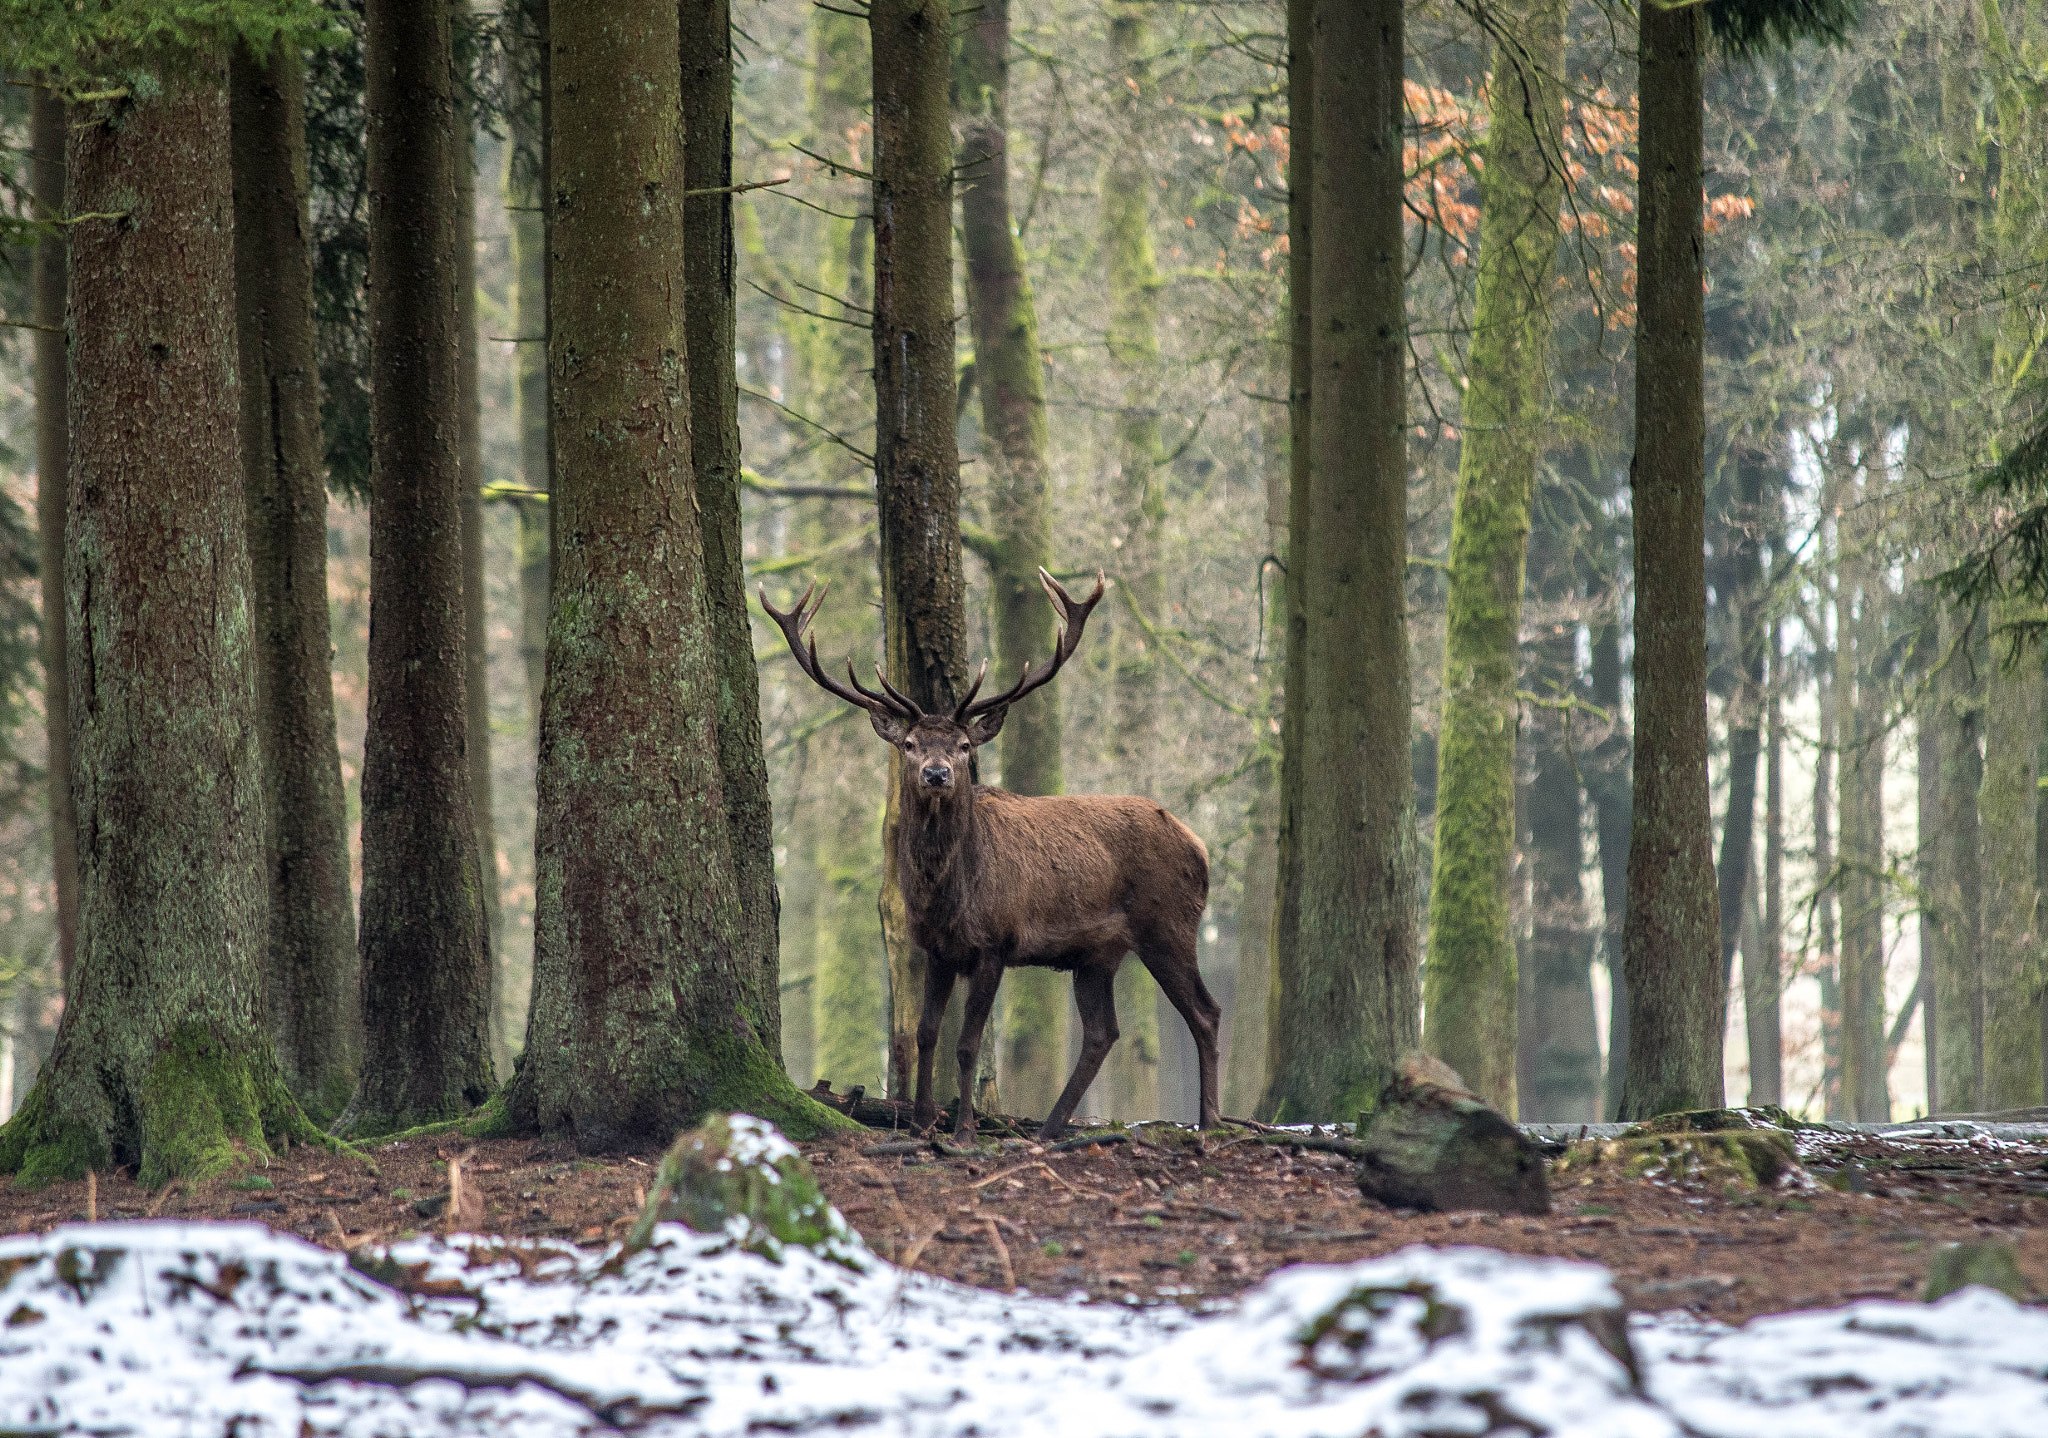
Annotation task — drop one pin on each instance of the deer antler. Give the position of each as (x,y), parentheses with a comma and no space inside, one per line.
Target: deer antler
(1073,616)
(793,623)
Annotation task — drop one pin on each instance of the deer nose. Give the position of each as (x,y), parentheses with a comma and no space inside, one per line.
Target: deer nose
(937,776)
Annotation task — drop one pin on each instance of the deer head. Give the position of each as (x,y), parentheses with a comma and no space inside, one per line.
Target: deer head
(937,749)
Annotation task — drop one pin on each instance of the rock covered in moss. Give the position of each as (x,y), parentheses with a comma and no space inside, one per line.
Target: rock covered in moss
(737,1175)
(1729,1158)
(1433,1144)
(1983,1265)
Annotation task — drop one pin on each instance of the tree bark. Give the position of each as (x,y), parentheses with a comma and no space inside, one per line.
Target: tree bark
(1745,706)
(161,1058)
(527,217)
(1285,941)
(1469,980)
(423,932)
(917,454)
(1348,1009)
(1959,979)
(1608,788)
(1130,1083)
(1003,314)
(1672,937)
(1860,809)
(53,462)
(708,319)
(641,1018)
(1829,970)
(475,605)
(2012,949)
(850,997)
(1762,964)
(311,983)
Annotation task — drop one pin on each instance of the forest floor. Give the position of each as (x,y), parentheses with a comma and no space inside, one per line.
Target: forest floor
(1164,1218)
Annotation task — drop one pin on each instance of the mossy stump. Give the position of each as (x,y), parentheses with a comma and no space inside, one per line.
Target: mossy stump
(1434,1145)
(1963,1265)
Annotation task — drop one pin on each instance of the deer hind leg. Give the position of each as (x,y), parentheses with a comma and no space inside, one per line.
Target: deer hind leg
(981,998)
(938,987)
(1180,979)
(1095,996)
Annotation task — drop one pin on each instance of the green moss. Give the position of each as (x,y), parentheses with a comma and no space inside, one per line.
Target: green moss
(749,1081)
(736,1175)
(39,1152)
(200,1112)
(1740,1159)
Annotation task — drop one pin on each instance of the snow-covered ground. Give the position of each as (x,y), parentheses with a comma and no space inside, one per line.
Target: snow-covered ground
(206,1329)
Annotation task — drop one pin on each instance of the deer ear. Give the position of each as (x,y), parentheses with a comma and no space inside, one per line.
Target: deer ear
(892,729)
(986,727)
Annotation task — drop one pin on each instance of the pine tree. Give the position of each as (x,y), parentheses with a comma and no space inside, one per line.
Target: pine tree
(643,1013)
(312,989)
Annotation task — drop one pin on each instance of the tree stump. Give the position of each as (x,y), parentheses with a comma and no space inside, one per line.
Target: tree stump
(1432,1144)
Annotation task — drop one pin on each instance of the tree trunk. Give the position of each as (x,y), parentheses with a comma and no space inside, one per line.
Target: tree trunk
(161,1058)
(1608,787)
(1829,969)
(641,1019)
(1672,939)
(1959,979)
(2012,950)
(423,930)
(475,646)
(1285,941)
(1469,981)
(708,318)
(1745,706)
(917,454)
(797,941)
(850,997)
(1927,875)
(1763,983)
(1032,1024)
(1246,1057)
(525,184)
(1860,752)
(1130,1083)
(1558,1035)
(53,460)
(1348,1009)
(310,978)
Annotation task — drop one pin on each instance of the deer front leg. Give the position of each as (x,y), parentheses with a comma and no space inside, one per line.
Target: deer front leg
(1095,996)
(981,998)
(938,987)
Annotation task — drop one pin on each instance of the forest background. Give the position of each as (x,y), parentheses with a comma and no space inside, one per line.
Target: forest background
(1873,253)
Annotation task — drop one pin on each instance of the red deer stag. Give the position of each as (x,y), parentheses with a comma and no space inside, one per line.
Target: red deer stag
(994,880)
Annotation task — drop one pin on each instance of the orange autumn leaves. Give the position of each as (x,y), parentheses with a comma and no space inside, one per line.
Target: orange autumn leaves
(1443,157)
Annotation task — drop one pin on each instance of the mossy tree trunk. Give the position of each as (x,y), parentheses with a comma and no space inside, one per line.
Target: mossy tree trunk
(1284,934)
(1348,1010)
(1130,1082)
(1031,1036)
(161,1059)
(642,1016)
(422,932)
(311,984)
(708,318)
(917,452)
(53,462)
(1469,981)
(1672,939)
(476,667)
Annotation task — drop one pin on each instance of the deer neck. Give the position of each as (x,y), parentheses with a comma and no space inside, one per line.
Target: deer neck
(936,852)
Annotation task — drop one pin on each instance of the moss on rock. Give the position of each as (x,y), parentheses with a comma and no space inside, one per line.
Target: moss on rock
(737,1175)
(1740,1159)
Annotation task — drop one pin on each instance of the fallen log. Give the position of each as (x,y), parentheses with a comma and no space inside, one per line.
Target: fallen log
(1432,1144)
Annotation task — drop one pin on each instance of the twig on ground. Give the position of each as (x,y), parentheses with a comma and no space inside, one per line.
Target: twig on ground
(1002,1254)
(916,1250)
(156,1205)
(1082,1142)
(92,1197)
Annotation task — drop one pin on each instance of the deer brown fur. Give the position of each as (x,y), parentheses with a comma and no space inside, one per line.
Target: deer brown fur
(993,880)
